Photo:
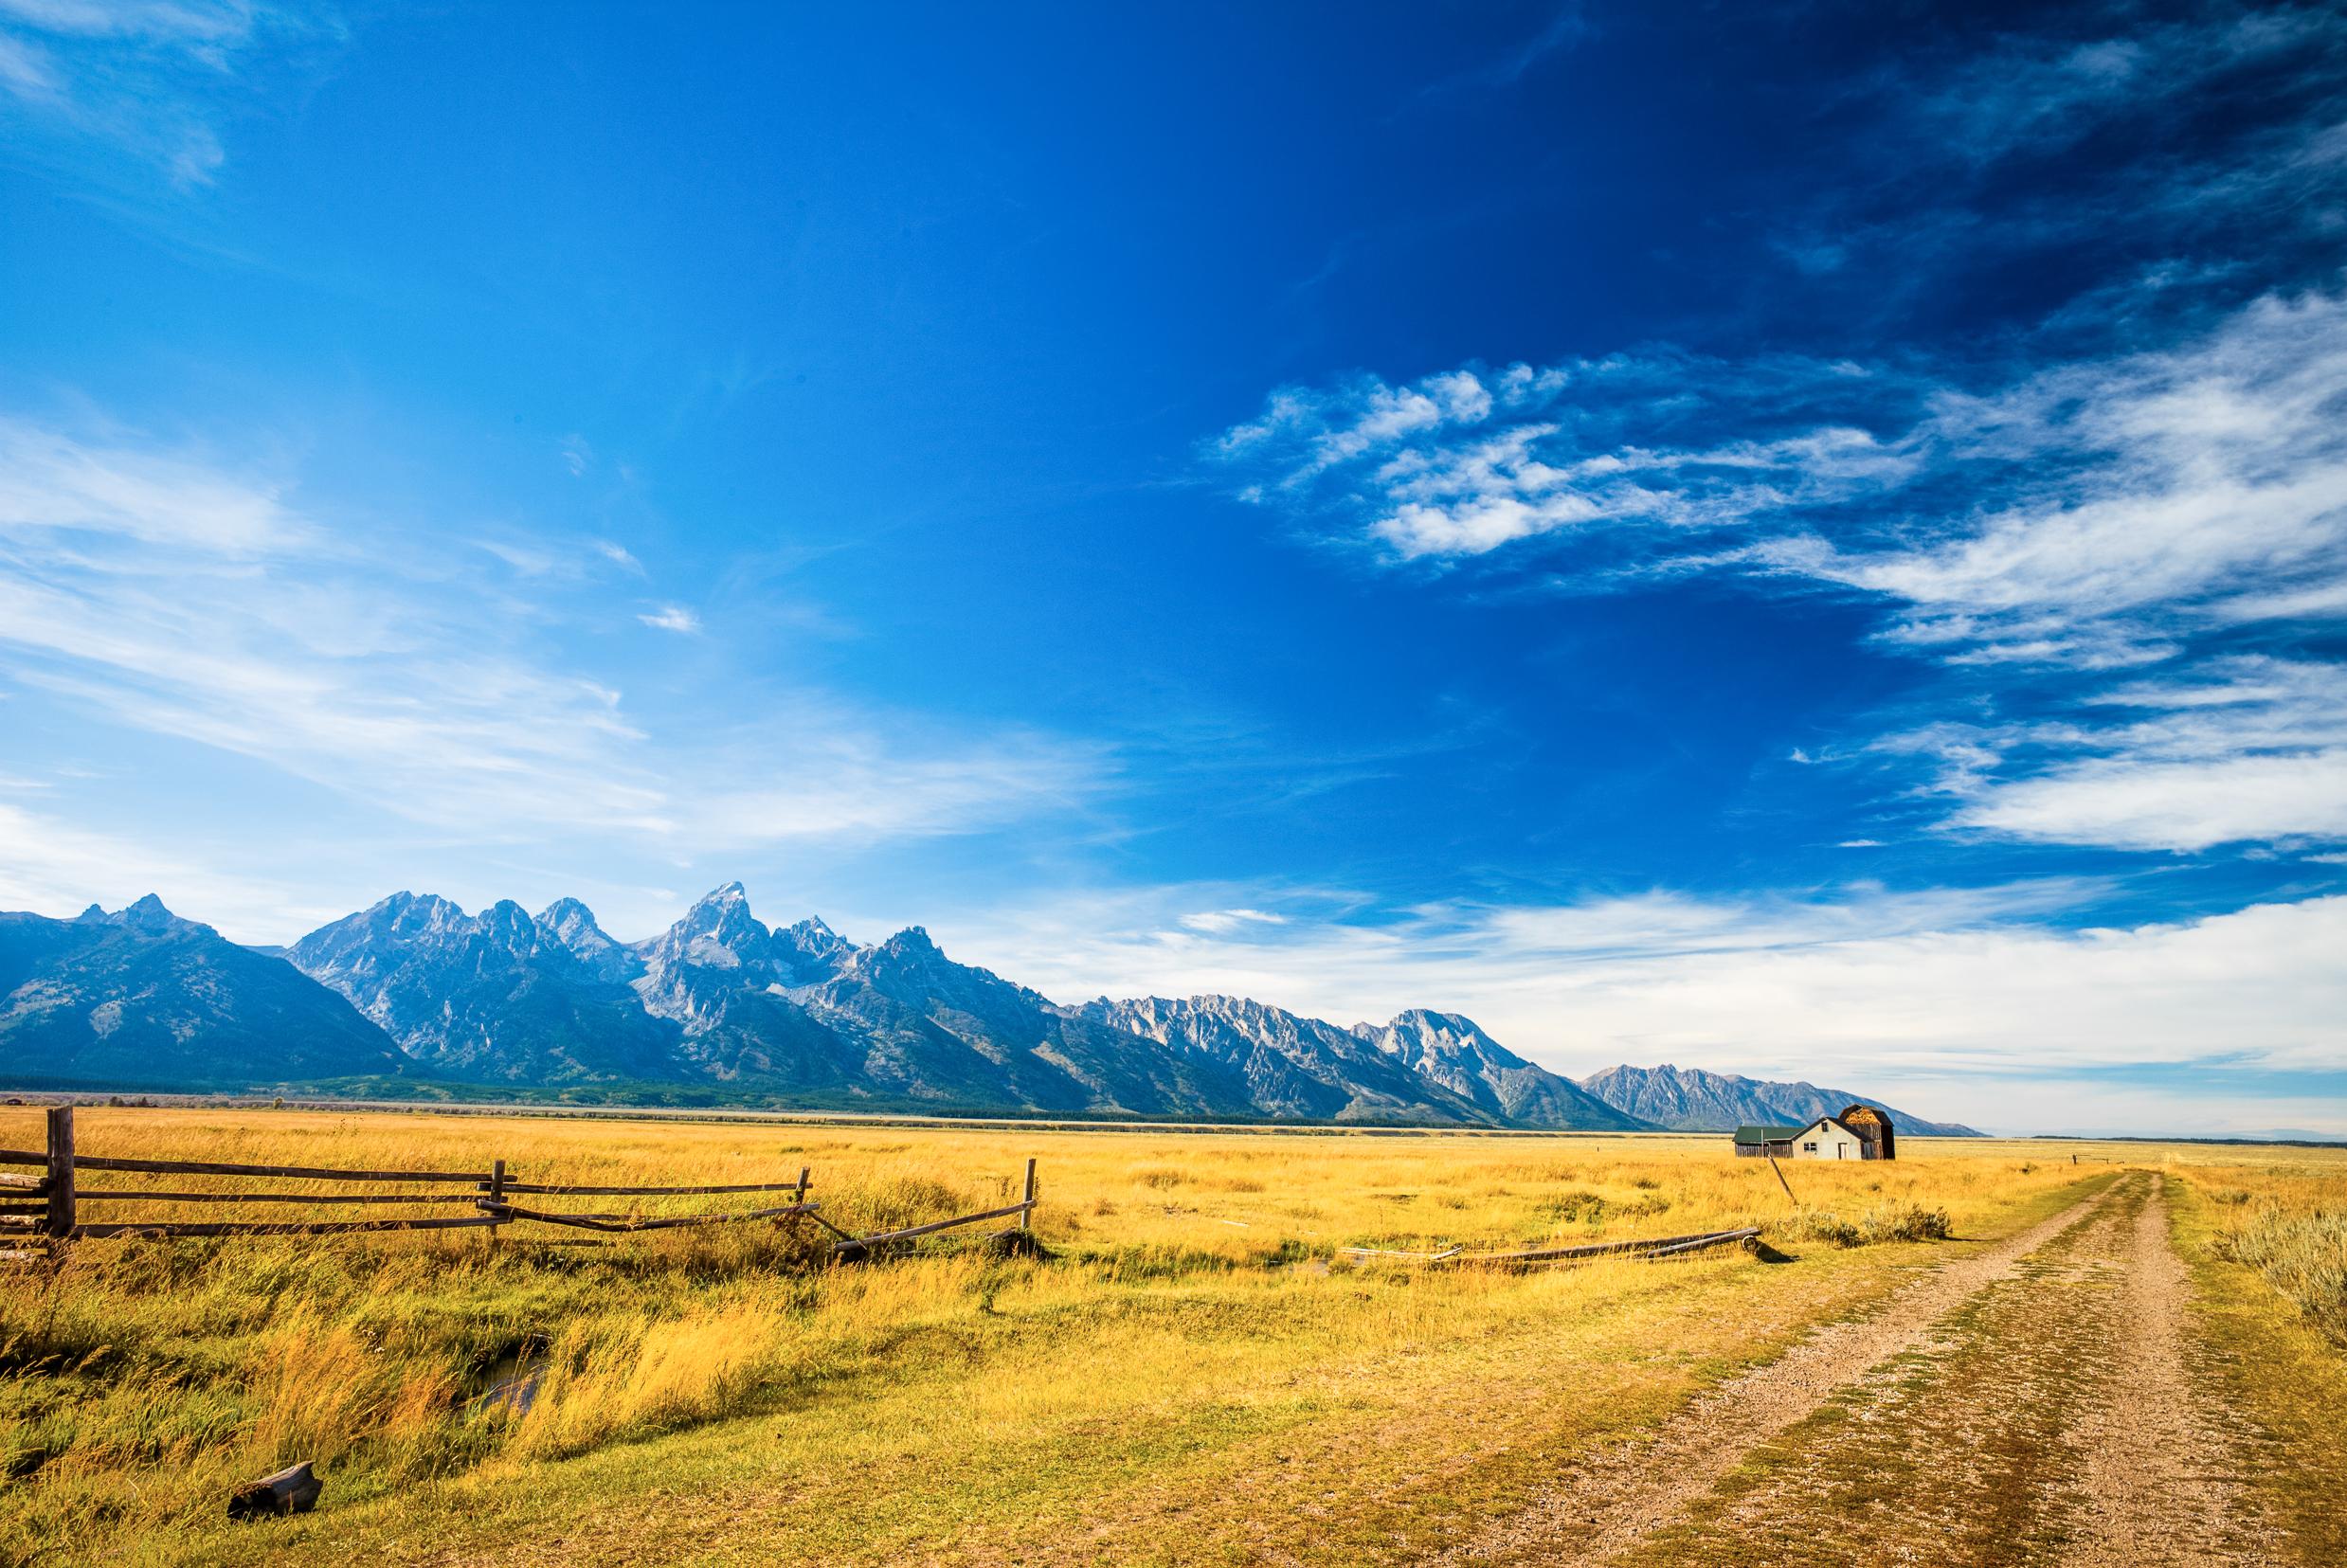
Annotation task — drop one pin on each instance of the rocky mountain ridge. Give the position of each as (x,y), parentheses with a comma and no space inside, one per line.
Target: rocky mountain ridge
(721,998)
(1688,1099)
(141,999)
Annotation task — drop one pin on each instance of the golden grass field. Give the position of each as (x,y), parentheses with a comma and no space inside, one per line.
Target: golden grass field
(1193,1373)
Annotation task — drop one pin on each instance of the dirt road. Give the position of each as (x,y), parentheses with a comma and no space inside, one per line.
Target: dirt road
(2034,1403)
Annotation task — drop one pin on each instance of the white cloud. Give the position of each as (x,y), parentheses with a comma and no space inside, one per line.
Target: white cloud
(672,617)
(2130,803)
(1218,921)
(2187,488)
(2249,748)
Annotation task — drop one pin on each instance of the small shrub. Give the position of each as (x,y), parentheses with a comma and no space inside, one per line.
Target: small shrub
(1569,1208)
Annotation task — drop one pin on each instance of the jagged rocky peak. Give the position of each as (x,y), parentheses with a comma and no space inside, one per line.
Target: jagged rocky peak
(814,951)
(908,952)
(572,923)
(406,914)
(812,936)
(718,933)
(1421,1033)
(508,923)
(148,917)
(570,926)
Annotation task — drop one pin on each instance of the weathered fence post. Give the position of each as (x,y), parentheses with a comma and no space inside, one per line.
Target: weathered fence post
(804,1172)
(1026,1215)
(496,1197)
(61,1217)
(1780,1175)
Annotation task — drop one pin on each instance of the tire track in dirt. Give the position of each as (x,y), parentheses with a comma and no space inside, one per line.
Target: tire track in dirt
(1622,1495)
(2159,1472)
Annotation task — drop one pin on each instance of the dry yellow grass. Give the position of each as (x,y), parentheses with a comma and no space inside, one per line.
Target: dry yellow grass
(1189,1375)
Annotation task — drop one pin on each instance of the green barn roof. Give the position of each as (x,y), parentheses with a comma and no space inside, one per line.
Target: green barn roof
(1767,1135)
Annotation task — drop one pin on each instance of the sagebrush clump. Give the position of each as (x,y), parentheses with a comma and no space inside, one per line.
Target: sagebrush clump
(2303,1255)
(1883,1222)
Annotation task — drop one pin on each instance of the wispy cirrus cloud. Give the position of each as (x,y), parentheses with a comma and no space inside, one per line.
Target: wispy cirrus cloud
(2086,513)
(2117,131)
(2037,94)
(1567,25)
(157,80)
(51,864)
(2075,522)
(184,594)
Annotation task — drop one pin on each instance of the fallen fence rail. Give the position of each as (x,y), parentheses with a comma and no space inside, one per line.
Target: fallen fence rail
(909,1232)
(1651,1247)
(1750,1233)
(861,1245)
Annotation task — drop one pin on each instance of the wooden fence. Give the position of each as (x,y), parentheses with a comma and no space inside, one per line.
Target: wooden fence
(49,1205)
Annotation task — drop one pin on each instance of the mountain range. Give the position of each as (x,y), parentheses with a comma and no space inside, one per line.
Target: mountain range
(414,995)
(1687,1099)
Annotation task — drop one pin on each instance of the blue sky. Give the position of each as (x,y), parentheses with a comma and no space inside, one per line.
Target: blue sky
(1809,540)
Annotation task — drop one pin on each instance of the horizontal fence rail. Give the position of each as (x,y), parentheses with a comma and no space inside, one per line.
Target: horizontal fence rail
(213,1167)
(47,1205)
(102,1195)
(268,1227)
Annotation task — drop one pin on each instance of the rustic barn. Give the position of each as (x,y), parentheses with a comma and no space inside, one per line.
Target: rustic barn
(1873,1129)
(1860,1132)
